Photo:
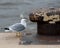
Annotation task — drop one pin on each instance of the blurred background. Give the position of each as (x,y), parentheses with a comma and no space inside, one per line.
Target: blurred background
(10,10)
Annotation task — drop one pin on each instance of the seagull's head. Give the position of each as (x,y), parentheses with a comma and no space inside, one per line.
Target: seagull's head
(23,20)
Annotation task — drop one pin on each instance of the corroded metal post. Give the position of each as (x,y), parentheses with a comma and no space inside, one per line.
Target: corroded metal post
(48,21)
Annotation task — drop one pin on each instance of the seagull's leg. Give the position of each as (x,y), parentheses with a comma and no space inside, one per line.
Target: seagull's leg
(18,34)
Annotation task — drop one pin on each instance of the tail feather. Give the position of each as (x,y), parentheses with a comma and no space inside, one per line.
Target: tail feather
(6,28)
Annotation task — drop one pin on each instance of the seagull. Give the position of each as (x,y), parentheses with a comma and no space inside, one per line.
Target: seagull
(18,27)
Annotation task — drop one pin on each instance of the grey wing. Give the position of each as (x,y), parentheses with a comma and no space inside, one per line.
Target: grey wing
(17,27)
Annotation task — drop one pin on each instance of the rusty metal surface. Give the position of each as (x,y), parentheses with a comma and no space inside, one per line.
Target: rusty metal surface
(48,14)
(48,23)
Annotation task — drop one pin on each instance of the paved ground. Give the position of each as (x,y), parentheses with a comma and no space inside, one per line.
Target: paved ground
(9,40)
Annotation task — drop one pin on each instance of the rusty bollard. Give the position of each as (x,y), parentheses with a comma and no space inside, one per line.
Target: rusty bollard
(48,21)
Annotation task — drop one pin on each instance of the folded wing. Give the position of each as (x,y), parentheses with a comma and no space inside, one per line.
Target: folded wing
(17,27)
